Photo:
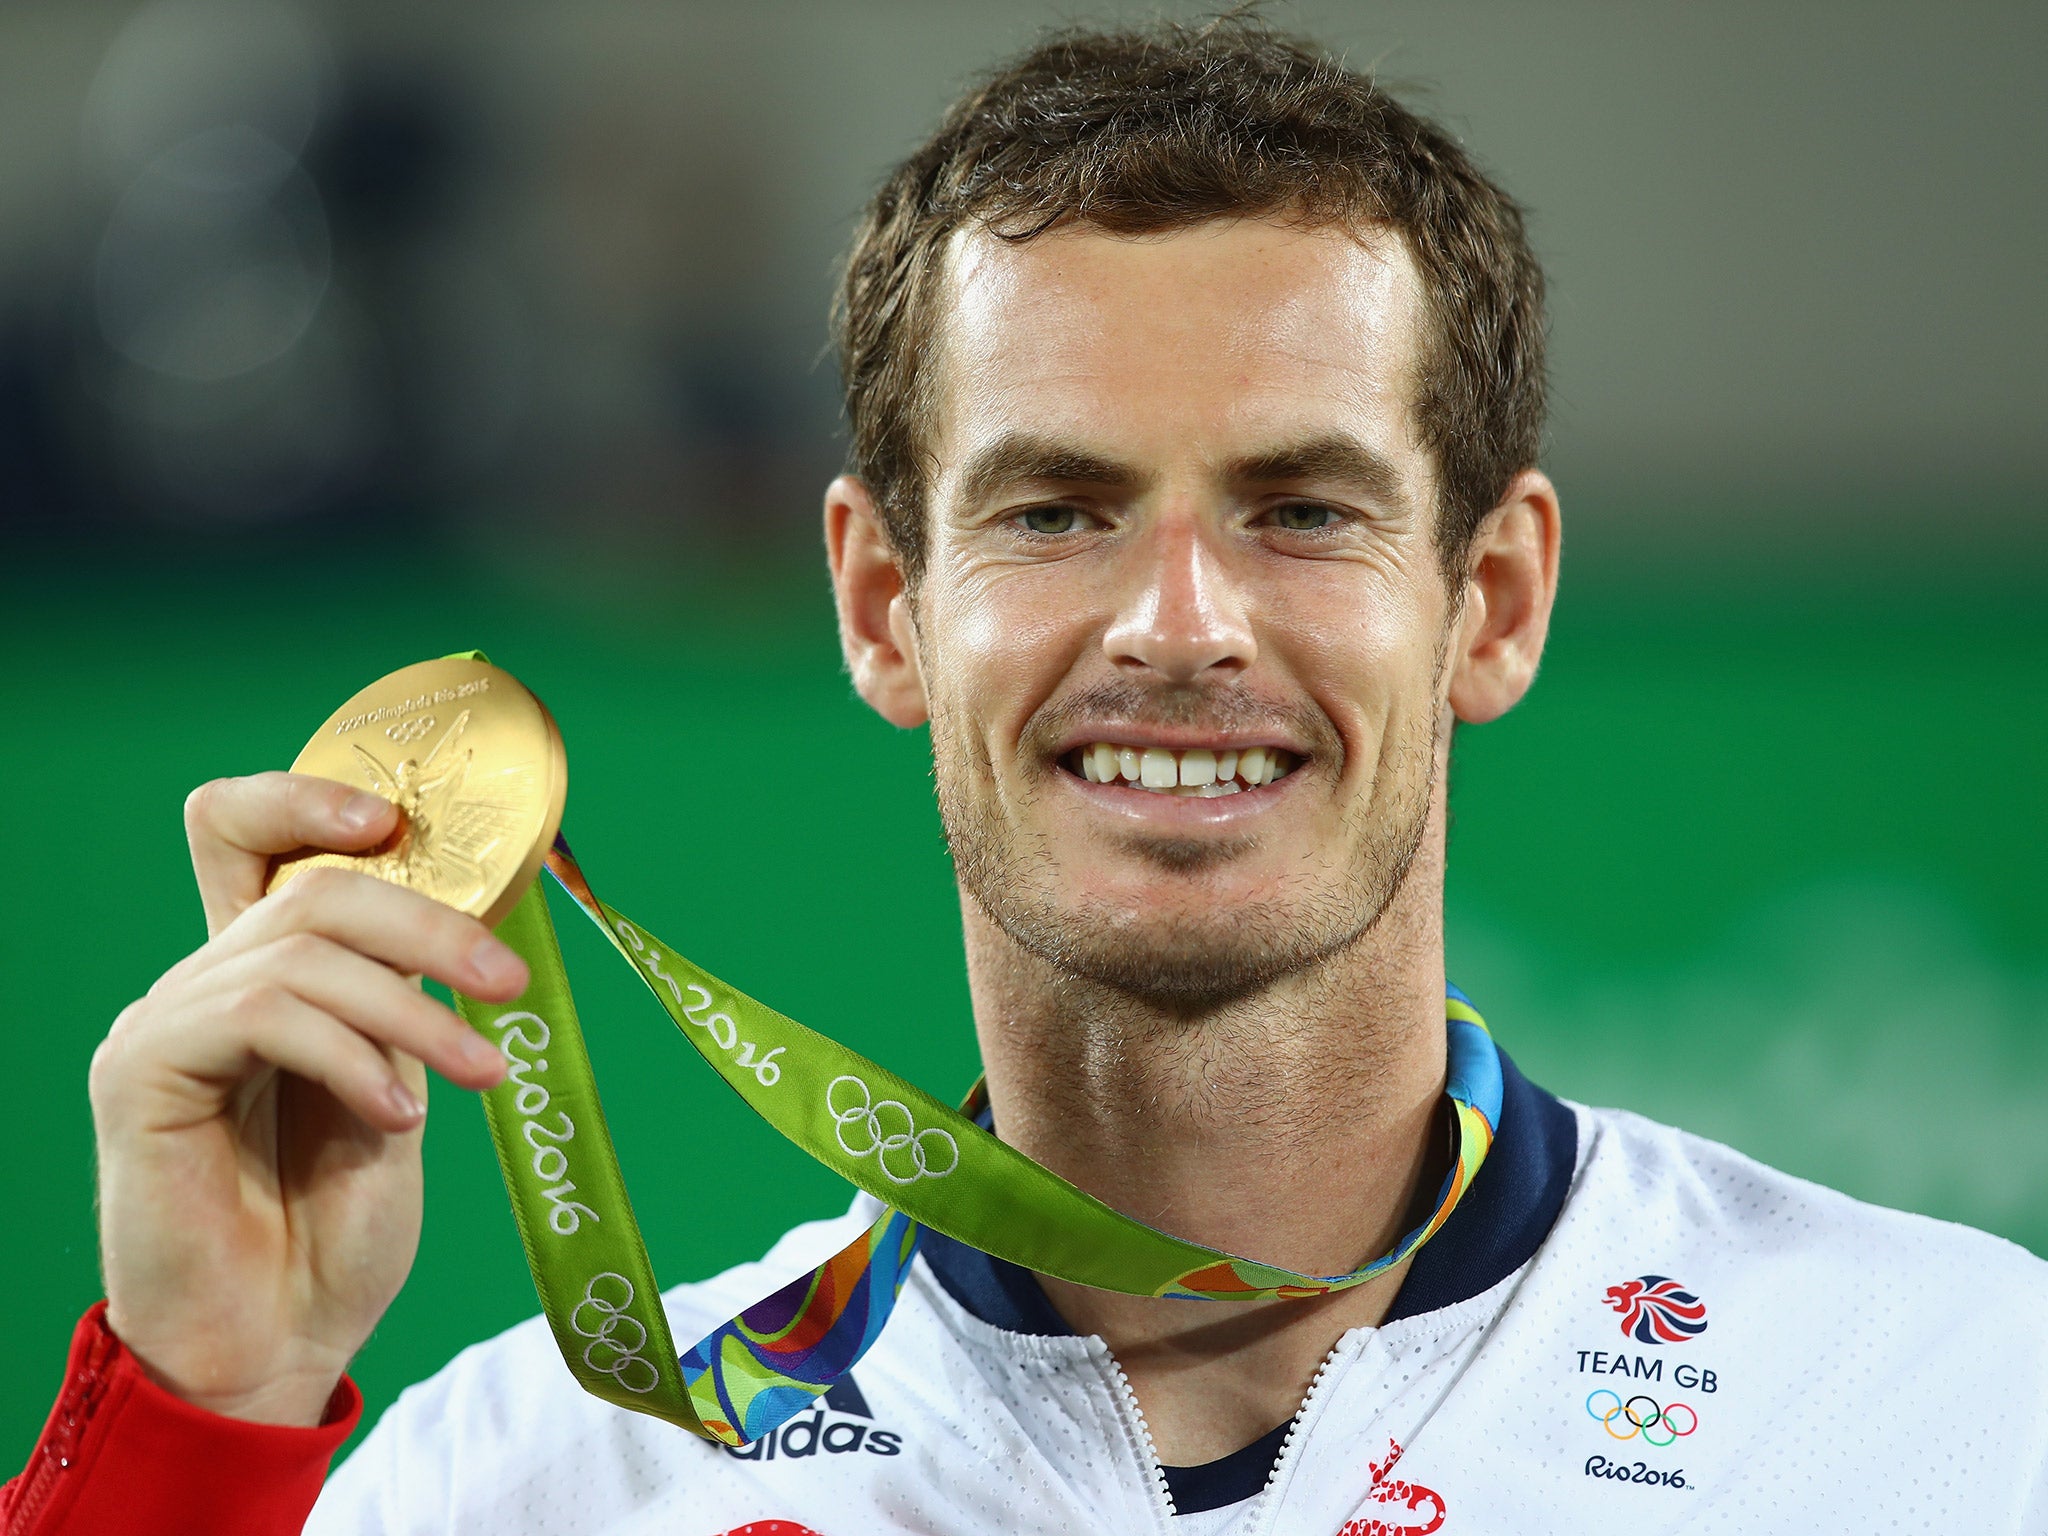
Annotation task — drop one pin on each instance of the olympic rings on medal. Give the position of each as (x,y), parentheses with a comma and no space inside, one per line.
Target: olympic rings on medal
(616,1338)
(889,1132)
(1642,1415)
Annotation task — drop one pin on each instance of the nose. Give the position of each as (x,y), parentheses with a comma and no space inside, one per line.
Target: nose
(1182,617)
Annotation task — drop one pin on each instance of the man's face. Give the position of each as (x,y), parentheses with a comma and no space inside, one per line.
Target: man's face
(1181,523)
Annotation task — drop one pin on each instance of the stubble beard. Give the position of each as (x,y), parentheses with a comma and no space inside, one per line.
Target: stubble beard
(1185,966)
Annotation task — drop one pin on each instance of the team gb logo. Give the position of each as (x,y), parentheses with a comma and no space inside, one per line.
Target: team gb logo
(1658,1310)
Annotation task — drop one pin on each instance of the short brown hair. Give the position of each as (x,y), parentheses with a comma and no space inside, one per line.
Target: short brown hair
(1138,132)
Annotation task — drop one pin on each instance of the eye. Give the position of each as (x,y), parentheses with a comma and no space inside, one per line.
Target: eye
(1054,519)
(1303,516)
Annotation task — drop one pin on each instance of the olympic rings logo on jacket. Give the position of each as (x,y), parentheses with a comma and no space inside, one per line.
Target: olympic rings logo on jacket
(1642,1415)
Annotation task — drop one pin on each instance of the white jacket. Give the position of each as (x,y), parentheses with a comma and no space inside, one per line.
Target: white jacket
(1860,1370)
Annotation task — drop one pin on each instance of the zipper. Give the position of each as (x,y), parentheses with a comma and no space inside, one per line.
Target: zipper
(1297,1430)
(1162,1497)
(76,1406)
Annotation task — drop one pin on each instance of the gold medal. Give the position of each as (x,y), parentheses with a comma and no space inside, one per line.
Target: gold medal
(476,768)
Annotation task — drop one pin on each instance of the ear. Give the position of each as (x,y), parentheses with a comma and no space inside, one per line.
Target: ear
(875,630)
(1510,583)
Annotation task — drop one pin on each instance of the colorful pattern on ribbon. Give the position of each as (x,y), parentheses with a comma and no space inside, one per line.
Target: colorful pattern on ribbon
(751,1375)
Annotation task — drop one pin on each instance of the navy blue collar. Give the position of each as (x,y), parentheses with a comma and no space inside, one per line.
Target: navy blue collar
(1494,1231)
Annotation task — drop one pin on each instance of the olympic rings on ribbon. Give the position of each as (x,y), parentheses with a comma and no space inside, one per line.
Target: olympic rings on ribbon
(886,1130)
(616,1339)
(1641,1415)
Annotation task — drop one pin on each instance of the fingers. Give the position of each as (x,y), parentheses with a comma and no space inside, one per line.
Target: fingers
(404,930)
(222,1045)
(302,1003)
(235,825)
(371,999)
(317,979)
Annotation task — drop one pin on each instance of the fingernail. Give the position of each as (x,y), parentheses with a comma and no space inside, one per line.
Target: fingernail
(494,965)
(407,1105)
(360,812)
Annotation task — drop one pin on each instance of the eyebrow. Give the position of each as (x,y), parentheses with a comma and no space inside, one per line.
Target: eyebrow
(1020,458)
(1335,458)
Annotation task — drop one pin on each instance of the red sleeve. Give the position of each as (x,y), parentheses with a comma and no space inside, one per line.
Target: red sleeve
(121,1454)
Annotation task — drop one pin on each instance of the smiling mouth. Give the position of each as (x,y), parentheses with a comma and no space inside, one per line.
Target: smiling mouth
(1193,771)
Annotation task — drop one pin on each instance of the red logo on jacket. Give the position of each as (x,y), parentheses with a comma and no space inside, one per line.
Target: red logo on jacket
(1411,1510)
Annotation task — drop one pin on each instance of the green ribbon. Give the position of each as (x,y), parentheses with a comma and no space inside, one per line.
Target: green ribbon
(930,1165)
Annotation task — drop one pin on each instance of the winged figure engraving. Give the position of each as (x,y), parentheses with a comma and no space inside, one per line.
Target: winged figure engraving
(452,825)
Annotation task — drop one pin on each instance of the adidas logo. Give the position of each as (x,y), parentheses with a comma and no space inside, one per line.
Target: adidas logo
(841,1427)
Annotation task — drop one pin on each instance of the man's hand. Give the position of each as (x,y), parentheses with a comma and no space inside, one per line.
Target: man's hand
(259,1111)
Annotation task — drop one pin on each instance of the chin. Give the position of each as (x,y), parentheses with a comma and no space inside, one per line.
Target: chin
(1176,957)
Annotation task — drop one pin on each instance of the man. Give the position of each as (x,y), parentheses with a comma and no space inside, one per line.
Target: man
(1196,394)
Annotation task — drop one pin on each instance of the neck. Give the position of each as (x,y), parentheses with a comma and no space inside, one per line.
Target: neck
(1293,1126)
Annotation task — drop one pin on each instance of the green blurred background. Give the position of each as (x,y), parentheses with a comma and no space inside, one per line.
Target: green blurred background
(509,340)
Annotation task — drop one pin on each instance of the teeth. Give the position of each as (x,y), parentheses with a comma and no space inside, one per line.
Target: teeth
(1197,771)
